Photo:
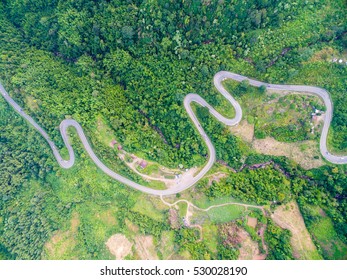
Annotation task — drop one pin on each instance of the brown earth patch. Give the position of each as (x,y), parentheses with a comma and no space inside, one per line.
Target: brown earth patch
(216,178)
(131,226)
(303,153)
(119,246)
(289,217)
(249,249)
(306,158)
(145,248)
(174,218)
(252,222)
(244,130)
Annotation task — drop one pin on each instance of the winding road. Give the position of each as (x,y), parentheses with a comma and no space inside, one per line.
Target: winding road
(218,78)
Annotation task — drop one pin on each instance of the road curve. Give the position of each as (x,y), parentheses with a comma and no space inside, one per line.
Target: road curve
(218,78)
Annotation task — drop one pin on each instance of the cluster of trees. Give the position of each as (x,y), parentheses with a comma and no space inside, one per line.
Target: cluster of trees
(147,225)
(74,28)
(261,185)
(283,181)
(328,189)
(278,242)
(228,147)
(188,240)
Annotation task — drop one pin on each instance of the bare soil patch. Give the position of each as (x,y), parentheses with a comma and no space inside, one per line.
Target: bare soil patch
(244,130)
(216,178)
(289,217)
(249,249)
(252,222)
(305,153)
(174,218)
(131,226)
(306,158)
(119,246)
(145,247)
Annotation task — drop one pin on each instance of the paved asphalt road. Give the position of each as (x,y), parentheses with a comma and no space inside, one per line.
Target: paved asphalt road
(218,78)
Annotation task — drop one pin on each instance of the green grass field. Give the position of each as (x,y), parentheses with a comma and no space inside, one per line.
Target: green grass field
(324,234)
(226,213)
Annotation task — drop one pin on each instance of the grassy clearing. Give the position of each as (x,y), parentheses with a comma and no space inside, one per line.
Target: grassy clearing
(147,207)
(287,117)
(223,106)
(210,235)
(32,103)
(182,209)
(226,213)
(325,236)
(204,202)
(62,244)
(103,132)
(150,169)
(166,245)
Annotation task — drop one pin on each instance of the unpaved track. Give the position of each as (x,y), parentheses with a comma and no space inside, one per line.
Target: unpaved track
(218,78)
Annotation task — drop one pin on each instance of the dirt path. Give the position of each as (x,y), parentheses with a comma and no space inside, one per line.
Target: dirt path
(213,206)
(191,206)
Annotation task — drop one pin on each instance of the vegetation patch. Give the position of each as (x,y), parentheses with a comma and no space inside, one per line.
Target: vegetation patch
(226,213)
(63,243)
(289,217)
(324,235)
(305,153)
(145,248)
(285,116)
(249,249)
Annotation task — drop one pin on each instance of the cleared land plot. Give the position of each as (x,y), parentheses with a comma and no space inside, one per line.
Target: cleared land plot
(145,248)
(280,124)
(249,249)
(252,222)
(289,217)
(226,213)
(305,153)
(286,116)
(119,246)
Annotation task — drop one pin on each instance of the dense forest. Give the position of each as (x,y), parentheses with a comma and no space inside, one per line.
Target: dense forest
(130,63)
